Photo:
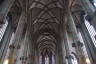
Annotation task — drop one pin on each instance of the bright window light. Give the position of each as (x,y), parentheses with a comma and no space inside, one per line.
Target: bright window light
(46,60)
(6,61)
(2,30)
(91,31)
(95,3)
(88,61)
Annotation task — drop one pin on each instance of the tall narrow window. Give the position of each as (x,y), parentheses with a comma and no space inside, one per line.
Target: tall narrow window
(40,59)
(2,29)
(53,59)
(91,31)
(46,59)
(74,59)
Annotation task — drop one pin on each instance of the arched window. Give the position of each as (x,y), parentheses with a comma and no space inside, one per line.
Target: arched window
(91,31)
(74,59)
(46,59)
(40,59)
(2,29)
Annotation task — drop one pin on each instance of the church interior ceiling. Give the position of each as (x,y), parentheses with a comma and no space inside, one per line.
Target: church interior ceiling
(46,18)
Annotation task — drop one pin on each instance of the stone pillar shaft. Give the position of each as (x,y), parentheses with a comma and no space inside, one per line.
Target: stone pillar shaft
(75,38)
(66,45)
(27,52)
(26,56)
(61,53)
(17,38)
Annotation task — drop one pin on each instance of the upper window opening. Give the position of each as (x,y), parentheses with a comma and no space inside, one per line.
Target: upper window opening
(2,29)
(91,31)
(95,3)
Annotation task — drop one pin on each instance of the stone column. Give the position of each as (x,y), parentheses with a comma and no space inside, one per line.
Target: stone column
(66,44)
(36,58)
(61,49)
(30,53)
(17,38)
(61,53)
(53,59)
(76,41)
(26,55)
(62,46)
(56,59)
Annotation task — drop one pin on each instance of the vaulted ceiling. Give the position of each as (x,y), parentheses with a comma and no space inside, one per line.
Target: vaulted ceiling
(46,17)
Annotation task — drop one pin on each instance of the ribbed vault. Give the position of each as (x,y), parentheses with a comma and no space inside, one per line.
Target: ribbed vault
(46,18)
(44,30)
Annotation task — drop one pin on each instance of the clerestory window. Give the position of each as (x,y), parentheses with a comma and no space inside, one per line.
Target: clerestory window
(2,29)
(94,2)
(91,31)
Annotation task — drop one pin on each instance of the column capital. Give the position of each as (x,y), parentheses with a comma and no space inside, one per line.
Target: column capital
(12,46)
(23,58)
(18,46)
(78,26)
(68,57)
(78,43)
(89,18)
